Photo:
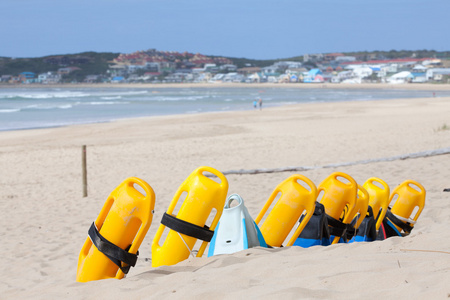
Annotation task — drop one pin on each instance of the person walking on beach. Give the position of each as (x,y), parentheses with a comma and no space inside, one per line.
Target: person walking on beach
(255,103)
(260,103)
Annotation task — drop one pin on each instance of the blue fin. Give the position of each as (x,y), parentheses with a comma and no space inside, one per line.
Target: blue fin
(261,240)
(212,243)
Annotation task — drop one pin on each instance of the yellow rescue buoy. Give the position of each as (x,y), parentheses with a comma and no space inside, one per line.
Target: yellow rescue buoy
(339,198)
(294,200)
(361,206)
(203,195)
(409,195)
(378,198)
(122,223)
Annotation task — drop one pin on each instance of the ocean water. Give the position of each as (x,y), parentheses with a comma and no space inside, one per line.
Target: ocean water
(22,108)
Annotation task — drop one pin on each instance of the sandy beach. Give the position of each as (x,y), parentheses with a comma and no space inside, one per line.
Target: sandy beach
(45,219)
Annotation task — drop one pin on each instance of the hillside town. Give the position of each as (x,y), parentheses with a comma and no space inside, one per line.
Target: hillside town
(152,66)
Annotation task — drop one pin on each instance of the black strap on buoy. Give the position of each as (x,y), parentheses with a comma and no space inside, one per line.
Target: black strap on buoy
(186,228)
(116,254)
(405,226)
(337,228)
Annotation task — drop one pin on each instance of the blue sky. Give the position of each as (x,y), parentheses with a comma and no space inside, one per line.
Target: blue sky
(246,28)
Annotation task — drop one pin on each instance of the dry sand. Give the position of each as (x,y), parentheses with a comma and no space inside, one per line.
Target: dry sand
(44,218)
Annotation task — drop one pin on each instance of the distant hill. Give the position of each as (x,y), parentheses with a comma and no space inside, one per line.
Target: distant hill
(90,63)
(94,63)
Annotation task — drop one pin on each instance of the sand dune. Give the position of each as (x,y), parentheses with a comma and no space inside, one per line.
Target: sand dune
(44,219)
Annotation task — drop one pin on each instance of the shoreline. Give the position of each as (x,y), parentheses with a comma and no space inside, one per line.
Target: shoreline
(406,86)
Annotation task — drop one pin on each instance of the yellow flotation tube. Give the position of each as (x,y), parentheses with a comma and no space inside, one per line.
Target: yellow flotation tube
(378,198)
(118,230)
(410,198)
(203,195)
(339,198)
(293,201)
(361,206)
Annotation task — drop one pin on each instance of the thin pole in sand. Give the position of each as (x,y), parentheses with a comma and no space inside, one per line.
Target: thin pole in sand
(84,170)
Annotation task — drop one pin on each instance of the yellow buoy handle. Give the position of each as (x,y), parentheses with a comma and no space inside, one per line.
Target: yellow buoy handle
(223,181)
(409,184)
(349,181)
(149,197)
(379,181)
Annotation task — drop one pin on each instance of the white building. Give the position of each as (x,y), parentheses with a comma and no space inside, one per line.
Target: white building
(436,74)
(345,58)
(402,77)
(49,78)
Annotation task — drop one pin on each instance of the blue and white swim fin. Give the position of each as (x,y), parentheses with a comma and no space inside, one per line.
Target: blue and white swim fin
(236,230)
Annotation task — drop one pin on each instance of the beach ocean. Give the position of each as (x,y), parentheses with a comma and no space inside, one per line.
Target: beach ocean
(45,218)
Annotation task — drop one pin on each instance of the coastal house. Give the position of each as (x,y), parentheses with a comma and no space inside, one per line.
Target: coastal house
(432,62)
(257,77)
(401,77)
(272,79)
(5,78)
(228,68)
(15,80)
(49,78)
(118,70)
(202,77)
(149,76)
(362,72)
(297,71)
(419,74)
(210,68)
(283,78)
(332,56)
(153,67)
(249,70)
(175,78)
(437,74)
(270,69)
(293,78)
(342,76)
(92,78)
(345,58)
(135,67)
(217,78)
(233,77)
(313,76)
(118,79)
(27,77)
(285,65)
(313,57)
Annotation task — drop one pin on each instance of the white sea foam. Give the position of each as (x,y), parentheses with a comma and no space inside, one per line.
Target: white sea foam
(105,102)
(47,95)
(9,110)
(111,98)
(47,107)
(168,98)
(119,93)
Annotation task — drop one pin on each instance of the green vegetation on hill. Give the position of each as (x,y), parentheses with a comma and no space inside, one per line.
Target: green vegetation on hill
(242,62)
(90,63)
(394,54)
